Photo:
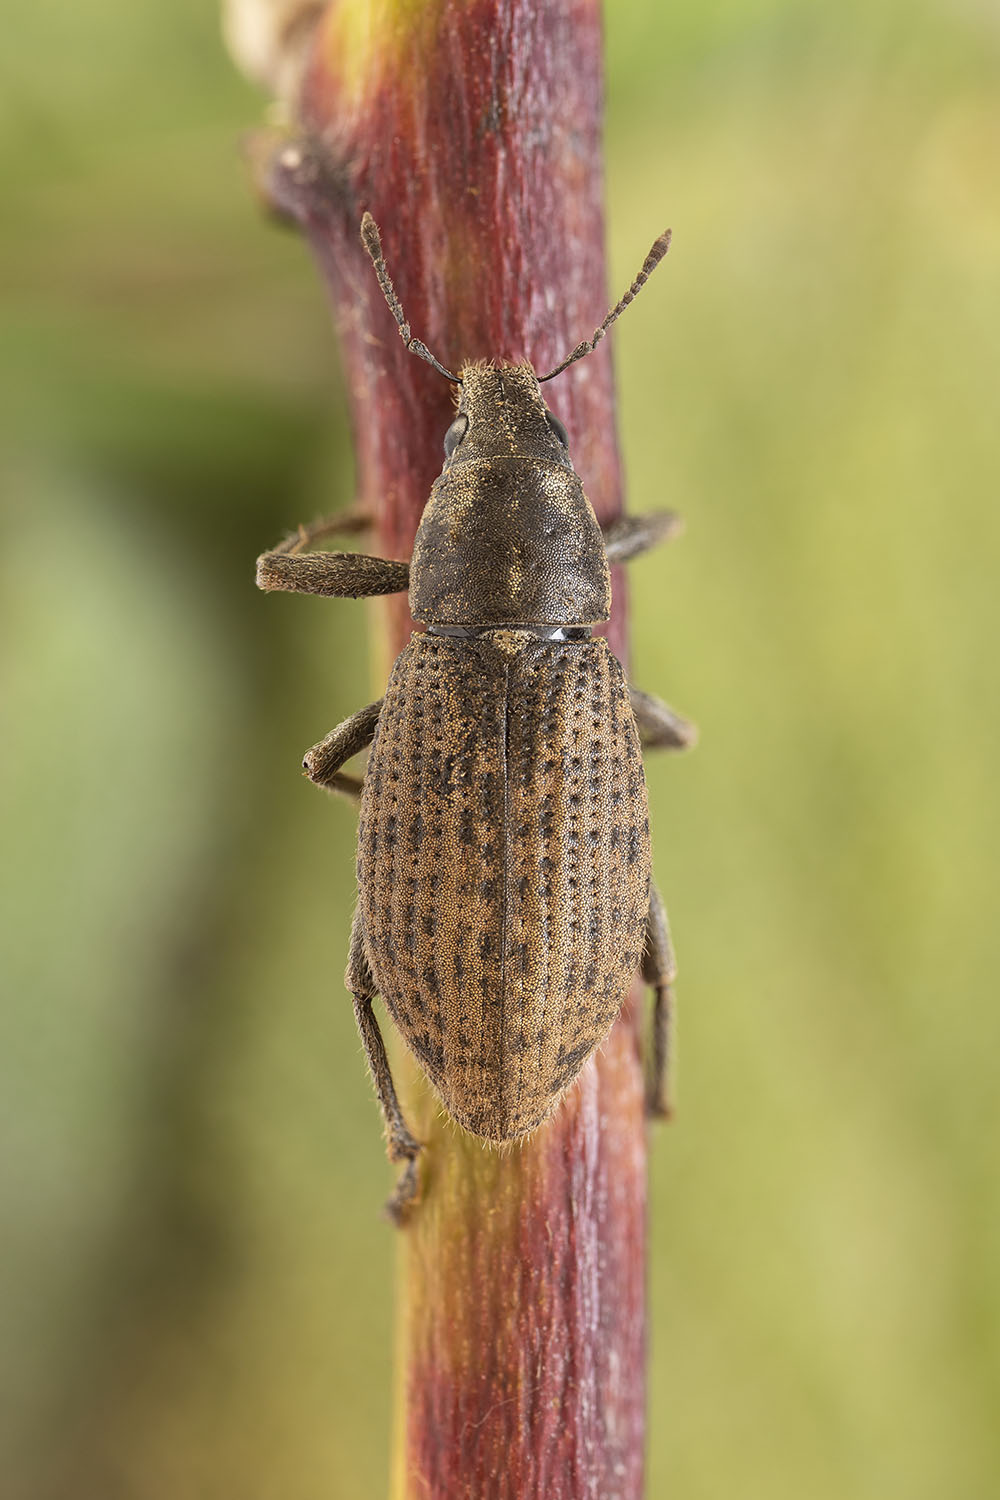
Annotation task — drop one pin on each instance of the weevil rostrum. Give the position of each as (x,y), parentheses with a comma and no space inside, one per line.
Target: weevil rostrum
(505,897)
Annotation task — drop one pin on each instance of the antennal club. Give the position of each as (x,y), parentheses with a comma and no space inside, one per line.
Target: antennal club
(657,251)
(373,244)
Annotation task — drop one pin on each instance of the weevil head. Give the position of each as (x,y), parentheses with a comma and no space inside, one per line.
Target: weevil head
(501,412)
(507,536)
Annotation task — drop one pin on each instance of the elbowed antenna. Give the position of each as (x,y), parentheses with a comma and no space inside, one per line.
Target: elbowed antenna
(657,252)
(373,244)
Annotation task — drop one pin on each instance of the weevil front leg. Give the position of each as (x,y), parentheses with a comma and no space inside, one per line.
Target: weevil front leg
(659,971)
(343,575)
(660,726)
(629,536)
(340,575)
(323,762)
(343,522)
(401,1144)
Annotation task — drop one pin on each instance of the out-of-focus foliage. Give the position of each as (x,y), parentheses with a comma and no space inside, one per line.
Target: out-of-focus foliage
(197,1300)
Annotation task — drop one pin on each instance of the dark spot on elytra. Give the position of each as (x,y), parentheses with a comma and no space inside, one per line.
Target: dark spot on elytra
(431,1053)
(429,980)
(567,1062)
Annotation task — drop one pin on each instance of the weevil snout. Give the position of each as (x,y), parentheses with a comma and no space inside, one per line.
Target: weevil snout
(501,411)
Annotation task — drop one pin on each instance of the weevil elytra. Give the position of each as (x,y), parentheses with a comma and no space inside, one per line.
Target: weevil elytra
(505,892)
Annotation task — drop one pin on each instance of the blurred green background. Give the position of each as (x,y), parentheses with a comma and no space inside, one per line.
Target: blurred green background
(198,1286)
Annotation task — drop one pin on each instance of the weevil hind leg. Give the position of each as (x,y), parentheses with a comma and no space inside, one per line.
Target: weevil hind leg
(323,762)
(659,970)
(401,1144)
(660,726)
(629,536)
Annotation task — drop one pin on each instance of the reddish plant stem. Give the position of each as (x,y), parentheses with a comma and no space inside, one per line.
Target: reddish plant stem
(471,129)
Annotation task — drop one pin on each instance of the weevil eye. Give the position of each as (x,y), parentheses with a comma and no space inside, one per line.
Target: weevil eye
(456,432)
(557,428)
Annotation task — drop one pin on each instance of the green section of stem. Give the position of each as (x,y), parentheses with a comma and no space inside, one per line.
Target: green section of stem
(359,44)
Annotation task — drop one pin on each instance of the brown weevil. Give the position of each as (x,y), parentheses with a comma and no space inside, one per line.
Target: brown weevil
(505,893)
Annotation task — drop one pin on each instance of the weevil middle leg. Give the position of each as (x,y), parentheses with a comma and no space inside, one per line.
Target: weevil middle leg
(660,726)
(323,762)
(402,1145)
(659,970)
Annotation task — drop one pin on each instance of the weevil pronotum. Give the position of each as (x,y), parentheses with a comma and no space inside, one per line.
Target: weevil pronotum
(505,892)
